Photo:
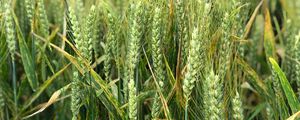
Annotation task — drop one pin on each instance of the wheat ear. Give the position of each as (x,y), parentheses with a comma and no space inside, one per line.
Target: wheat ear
(132,56)
(157,58)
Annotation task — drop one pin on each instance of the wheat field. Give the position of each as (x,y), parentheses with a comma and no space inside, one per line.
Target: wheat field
(149,59)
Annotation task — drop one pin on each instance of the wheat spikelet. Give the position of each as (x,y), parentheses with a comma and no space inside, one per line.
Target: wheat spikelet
(197,55)
(82,41)
(10,31)
(182,26)
(237,107)
(157,58)
(295,54)
(132,100)
(98,32)
(111,44)
(289,64)
(193,65)
(226,46)
(44,24)
(211,97)
(297,58)
(132,56)
(225,52)
(75,99)
(84,46)
(76,29)
(89,35)
(29,4)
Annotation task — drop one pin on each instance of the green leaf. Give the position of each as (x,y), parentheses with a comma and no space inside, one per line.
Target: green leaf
(288,91)
(26,58)
(269,39)
(257,83)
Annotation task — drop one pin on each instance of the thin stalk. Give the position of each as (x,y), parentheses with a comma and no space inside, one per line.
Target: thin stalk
(14,82)
(186,111)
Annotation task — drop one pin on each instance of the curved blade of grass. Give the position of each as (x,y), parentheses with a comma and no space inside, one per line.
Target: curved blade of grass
(269,39)
(288,91)
(72,59)
(42,88)
(52,100)
(42,104)
(251,21)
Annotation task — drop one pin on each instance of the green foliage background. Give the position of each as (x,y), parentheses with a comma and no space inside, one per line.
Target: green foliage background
(149,59)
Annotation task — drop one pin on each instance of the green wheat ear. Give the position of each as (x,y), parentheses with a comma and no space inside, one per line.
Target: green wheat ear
(111,45)
(75,99)
(237,107)
(29,4)
(89,34)
(132,55)
(182,19)
(82,40)
(10,30)
(212,107)
(196,58)
(291,65)
(44,24)
(99,31)
(156,42)
(297,58)
(193,65)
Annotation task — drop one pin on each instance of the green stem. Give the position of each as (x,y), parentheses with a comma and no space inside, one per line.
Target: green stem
(14,82)
(186,111)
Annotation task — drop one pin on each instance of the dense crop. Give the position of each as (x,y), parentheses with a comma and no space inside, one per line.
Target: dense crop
(149,59)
